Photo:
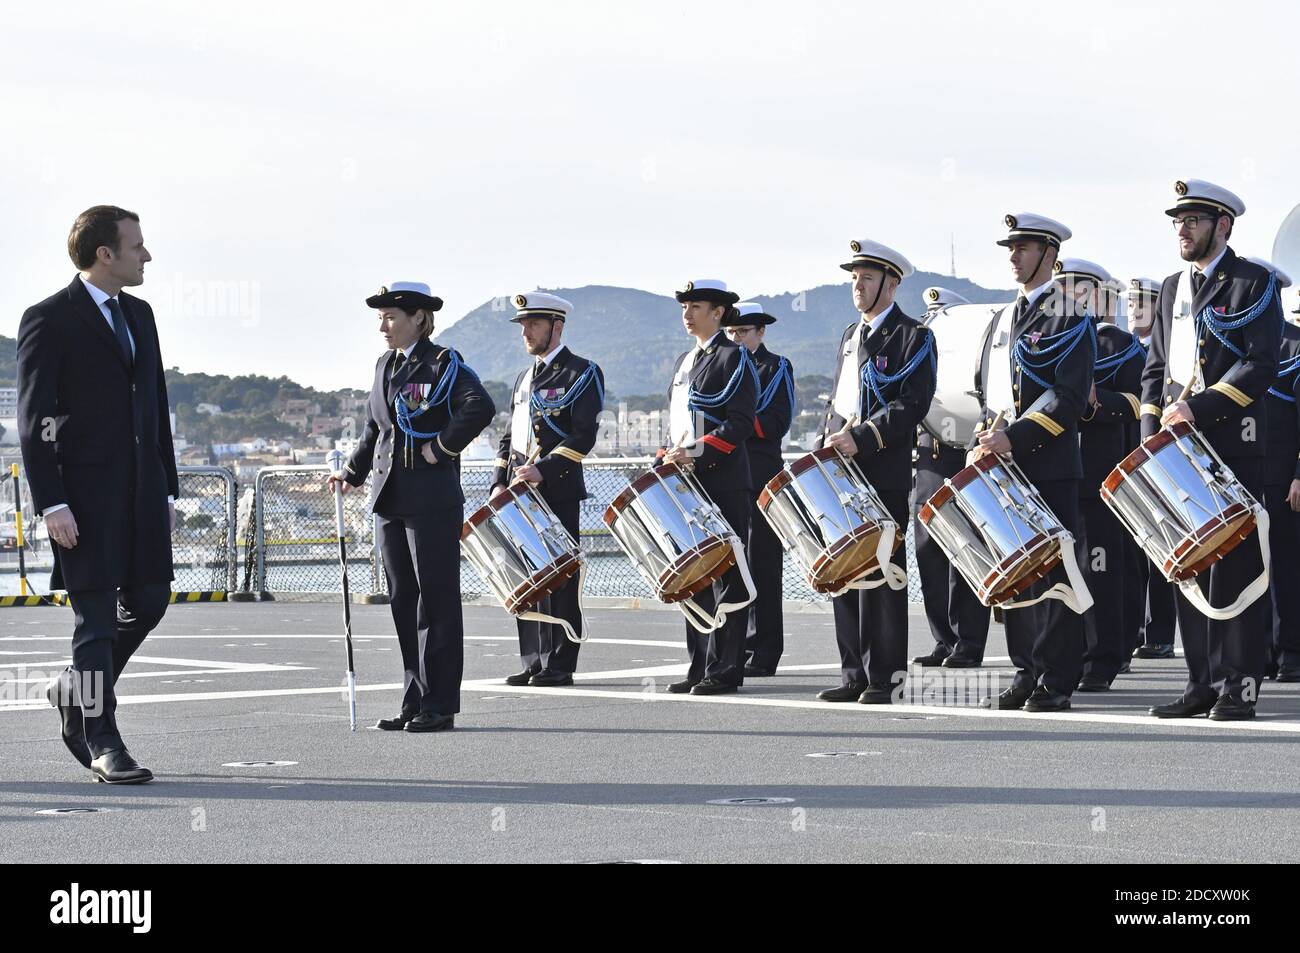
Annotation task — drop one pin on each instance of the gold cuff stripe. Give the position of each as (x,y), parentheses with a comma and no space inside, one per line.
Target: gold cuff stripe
(1237,397)
(1152,409)
(1047,423)
(1132,399)
(442,446)
(569,454)
(879,439)
(501,462)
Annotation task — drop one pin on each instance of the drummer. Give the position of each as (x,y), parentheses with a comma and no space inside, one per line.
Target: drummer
(884,382)
(712,400)
(1107,435)
(1155,635)
(1231,369)
(554,415)
(958,621)
(764,638)
(1052,350)
(1282,498)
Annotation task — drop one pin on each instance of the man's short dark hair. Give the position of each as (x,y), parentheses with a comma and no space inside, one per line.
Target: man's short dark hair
(95,227)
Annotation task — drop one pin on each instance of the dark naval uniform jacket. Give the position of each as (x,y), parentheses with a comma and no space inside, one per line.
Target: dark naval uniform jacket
(1234,385)
(773,422)
(1282,464)
(1045,434)
(562,452)
(721,462)
(403,487)
(887,436)
(96,435)
(1106,429)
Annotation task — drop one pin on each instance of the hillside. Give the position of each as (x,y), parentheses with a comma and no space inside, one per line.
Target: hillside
(635,336)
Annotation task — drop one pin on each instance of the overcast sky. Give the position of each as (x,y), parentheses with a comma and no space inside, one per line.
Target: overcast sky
(288,158)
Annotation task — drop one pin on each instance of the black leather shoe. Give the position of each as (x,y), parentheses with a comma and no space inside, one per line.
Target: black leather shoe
(1288,673)
(1010,700)
(1183,709)
(845,693)
(962,661)
(708,686)
(753,671)
(1155,651)
(549,679)
(876,695)
(1044,699)
(520,678)
(428,721)
(118,767)
(395,724)
(1228,708)
(61,694)
(934,658)
(1093,683)
(682,687)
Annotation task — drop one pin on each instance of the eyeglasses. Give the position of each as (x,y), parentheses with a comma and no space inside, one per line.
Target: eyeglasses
(739,332)
(1191,221)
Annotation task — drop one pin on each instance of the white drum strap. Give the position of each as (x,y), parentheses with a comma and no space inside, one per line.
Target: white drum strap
(892,574)
(1075,595)
(1248,595)
(702,621)
(531,616)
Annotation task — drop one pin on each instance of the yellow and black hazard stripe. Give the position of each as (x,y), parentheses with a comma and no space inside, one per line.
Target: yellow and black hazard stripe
(54,599)
(218,595)
(61,598)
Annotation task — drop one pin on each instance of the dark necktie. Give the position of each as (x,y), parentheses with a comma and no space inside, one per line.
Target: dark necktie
(539,369)
(1198,281)
(119,329)
(1022,308)
(398,361)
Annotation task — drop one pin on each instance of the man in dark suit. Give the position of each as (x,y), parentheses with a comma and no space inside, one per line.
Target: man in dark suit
(711,401)
(959,622)
(1155,614)
(554,412)
(1219,323)
(884,382)
(426,406)
(96,440)
(1282,498)
(1052,349)
(1107,429)
(746,325)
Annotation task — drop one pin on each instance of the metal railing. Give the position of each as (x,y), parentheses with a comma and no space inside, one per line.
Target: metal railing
(295,552)
(204,550)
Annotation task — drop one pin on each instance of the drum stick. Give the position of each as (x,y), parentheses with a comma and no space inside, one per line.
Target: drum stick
(532,458)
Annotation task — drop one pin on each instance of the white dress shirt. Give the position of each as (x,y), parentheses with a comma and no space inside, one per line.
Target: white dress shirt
(848,389)
(100,297)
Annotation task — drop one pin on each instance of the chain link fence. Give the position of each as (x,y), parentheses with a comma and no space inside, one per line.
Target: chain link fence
(294,550)
(204,551)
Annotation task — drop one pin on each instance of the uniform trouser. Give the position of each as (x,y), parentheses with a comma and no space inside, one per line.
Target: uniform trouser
(108,627)
(1136,568)
(871,624)
(720,655)
(543,646)
(1046,641)
(1102,552)
(1228,657)
(1160,618)
(422,563)
(1284,576)
(958,620)
(764,631)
